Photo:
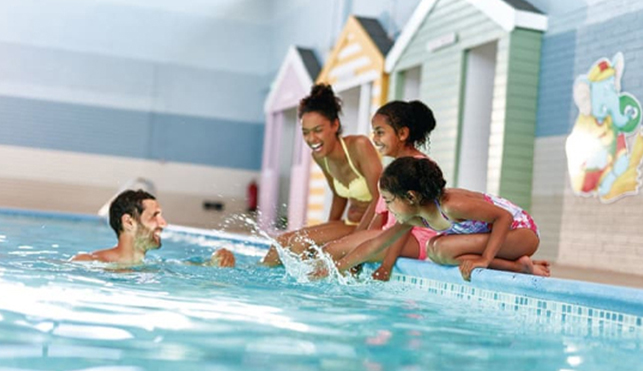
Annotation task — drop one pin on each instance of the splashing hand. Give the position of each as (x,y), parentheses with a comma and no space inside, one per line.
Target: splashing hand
(223,258)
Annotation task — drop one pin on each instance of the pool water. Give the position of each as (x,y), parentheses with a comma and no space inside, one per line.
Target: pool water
(170,315)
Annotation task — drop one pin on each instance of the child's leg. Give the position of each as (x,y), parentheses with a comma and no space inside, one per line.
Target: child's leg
(369,252)
(300,240)
(374,249)
(445,249)
(337,249)
(523,264)
(513,256)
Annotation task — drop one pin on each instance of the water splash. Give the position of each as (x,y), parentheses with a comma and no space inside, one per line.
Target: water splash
(308,269)
(302,269)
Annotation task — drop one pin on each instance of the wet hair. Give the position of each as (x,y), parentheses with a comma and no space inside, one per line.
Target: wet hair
(420,175)
(128,202)
(322,100)
(414,115)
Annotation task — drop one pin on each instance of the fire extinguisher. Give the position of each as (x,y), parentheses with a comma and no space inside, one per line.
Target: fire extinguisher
(253,191)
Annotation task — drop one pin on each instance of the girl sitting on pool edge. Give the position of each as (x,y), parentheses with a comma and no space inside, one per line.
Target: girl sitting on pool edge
(475,230)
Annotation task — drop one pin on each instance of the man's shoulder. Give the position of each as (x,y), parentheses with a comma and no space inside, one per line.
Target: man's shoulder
(83,257)
(106,256)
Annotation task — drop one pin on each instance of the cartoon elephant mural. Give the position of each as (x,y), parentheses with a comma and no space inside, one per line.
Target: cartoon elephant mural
(599,157)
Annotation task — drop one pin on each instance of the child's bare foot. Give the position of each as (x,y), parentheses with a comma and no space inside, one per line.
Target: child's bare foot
(541,268)
(535,267)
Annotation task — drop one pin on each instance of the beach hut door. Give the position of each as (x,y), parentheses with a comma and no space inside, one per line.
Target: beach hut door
(476,119)
(299,175)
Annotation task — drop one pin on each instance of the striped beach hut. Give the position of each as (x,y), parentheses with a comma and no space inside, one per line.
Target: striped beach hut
(286,158)
(476,64)
(355,69)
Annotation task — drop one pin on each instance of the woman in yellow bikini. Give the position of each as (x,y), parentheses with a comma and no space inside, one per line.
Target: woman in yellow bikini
(351,166)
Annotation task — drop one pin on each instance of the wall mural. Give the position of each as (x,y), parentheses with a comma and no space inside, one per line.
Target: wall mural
(605,147)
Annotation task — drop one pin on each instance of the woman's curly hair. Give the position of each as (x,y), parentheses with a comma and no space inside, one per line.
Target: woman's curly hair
(322,99)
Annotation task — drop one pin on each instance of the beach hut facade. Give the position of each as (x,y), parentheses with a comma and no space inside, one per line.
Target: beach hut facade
(476,64)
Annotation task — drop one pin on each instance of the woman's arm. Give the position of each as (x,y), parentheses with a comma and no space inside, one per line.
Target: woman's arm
(368,163)
(339,203)
(337,208)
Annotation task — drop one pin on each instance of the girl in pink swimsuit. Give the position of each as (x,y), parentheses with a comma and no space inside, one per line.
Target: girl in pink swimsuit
(475,230)
(399,129)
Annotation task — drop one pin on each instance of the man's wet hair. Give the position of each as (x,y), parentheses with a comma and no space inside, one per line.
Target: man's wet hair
(128,202)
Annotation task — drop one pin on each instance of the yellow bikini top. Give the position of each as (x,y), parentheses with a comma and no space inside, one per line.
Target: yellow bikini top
(358,188)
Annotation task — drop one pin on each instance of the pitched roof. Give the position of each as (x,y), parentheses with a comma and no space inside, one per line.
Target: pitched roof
(523,5)
(508,14)
(375,30)
(306,67)
(311,63)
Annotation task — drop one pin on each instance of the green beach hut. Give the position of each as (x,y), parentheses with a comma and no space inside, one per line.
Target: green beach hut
(476,64)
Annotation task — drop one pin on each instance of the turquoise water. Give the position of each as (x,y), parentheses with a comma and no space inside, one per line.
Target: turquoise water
(169,315)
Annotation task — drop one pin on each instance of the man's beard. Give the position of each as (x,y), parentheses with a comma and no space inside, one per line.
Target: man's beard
(148,238)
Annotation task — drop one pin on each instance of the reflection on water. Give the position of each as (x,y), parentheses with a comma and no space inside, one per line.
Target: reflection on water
(169,315)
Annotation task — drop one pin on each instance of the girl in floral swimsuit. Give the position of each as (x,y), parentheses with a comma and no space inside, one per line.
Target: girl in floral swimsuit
(475,230)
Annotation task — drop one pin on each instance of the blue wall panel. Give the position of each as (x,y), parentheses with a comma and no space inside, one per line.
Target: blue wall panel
(567,55)
(206,141)
(603,40)
(71,127)
(555,92)
(128,133)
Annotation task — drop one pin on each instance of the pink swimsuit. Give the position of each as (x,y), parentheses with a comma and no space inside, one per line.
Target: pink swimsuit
(422,235)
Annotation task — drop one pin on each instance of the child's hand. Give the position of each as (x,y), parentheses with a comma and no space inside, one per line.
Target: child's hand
(383,273)
(467,266)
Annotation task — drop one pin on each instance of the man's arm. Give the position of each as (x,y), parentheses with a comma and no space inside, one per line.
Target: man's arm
(83,257)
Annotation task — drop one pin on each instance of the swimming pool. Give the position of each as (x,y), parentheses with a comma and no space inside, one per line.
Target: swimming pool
(170,315)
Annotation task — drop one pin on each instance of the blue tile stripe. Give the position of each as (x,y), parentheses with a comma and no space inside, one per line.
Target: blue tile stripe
(128,133)
(584,320)
(606,297)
